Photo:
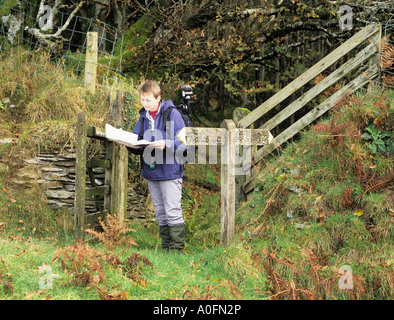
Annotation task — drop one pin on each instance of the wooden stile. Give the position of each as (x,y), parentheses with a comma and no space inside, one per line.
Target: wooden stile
(115,165)
(228,137)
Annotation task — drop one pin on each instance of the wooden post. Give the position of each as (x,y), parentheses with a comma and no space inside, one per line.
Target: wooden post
(240,180)
(119,174)
(80,178)
(238,114)
(91,61)
(109,155)
(228,184)
(376,40)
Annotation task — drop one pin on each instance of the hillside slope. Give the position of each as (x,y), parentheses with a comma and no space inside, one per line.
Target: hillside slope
(326,203)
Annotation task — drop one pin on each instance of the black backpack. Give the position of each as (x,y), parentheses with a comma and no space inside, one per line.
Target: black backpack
(183,107)
(186,116)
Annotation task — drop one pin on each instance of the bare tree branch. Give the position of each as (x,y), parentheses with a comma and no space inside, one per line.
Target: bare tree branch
(46,38)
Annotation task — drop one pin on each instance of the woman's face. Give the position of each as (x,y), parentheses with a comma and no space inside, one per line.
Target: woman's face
(149,102)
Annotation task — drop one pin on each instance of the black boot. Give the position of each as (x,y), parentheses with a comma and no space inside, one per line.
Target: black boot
(177,234)
(164,233)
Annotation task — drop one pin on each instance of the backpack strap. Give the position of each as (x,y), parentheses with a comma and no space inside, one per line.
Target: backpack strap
(141,136)
(166,118)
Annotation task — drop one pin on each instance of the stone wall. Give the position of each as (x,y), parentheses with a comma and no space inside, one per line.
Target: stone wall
(56,173)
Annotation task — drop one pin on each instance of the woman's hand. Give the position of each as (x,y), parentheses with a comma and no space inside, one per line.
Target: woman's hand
(159,144)
(133,147)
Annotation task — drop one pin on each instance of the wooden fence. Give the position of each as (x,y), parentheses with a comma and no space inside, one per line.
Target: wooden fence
(115,163)
(366,56)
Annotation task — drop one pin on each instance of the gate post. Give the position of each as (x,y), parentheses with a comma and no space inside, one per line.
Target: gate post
(228,184)
(119,174)
(80,178)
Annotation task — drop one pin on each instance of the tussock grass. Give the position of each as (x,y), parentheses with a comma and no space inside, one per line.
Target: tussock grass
(43,101)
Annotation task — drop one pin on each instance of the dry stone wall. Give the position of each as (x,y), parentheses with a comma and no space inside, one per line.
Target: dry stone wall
(56,173)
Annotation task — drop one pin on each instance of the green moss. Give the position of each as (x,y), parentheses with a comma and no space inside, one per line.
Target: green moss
(132,43)
(5,9)
(247,111)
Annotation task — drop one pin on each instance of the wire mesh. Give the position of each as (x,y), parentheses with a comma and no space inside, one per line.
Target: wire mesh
(63,35)
(69,47)
(386,50)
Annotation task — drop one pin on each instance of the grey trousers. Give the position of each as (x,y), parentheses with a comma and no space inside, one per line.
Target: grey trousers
(166,197)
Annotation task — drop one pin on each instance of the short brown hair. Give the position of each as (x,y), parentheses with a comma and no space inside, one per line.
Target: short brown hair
(150,86)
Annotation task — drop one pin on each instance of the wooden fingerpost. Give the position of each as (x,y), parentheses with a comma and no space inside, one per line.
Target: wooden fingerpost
(229,137)
(228,184)
(91,61)
(240,179)
(80,178)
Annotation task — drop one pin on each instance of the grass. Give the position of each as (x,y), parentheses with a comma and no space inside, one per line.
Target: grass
(333,214)
(170,278)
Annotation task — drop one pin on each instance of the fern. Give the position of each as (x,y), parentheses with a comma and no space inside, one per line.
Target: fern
(84,263)
(115,231)
(386,54)
(377,184)
(6,279)
(347,200)
(133,266)
(105,295)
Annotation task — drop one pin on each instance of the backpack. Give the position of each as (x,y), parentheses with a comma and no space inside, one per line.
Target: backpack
(183,108)
(186,116)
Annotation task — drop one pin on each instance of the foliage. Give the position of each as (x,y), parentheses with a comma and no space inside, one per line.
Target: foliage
(326,202)
(201,205)
(43,105)
(87,265)
(83,262)
(377,138)
(133,267)
(114,233)
(7,7)
(238,52)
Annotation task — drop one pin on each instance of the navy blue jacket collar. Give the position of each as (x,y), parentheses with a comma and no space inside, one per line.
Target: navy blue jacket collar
(164,105)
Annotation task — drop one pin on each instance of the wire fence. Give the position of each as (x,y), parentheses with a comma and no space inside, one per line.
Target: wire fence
(63,36)
(386,50)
